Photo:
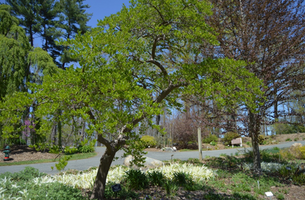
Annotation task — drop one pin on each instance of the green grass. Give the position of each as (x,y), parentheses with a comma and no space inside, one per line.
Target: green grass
(77,156)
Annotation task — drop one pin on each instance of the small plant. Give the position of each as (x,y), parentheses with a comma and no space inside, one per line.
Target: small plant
(86,146)
(280,196)
(136,179)
(296,139)
(249,143)
(288,140)
(181,178)
(156,178)
(223,154)
(55,149)
(70,150)
(213,143)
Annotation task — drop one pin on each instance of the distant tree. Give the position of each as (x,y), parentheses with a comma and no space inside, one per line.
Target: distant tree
(73,20)
(269,36)
(19,62)
(132,67)
(26,11)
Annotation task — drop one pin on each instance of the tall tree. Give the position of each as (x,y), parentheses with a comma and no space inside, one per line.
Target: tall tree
(73,20)
(269,36)
(26,11)
(19,62)
(127,75)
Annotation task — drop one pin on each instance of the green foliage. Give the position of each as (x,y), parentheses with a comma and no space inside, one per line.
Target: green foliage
(288,140)
(70,150)
(213,143)
(228,137)
(42,147)
(296,139)
(148,141)
(210,138)
(25,175)
(123,194)
(55,149)
(62,163)
(181,178)
(282,128)
(261,139)
(86,146)
(136,179)
(156,178)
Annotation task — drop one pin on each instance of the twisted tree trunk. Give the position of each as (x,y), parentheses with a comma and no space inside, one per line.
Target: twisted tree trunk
(100,180)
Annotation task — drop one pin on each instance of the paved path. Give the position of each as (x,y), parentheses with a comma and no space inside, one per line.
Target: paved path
(94,161)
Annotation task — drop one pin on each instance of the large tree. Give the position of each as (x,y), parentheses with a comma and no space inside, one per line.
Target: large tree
(268,35)
(132,65)
(73,19)
(19,62)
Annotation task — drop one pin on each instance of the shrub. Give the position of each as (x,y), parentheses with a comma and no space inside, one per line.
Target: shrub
(149,141)
(302,150)
(156,178)
(136,179)
(210,138)
(70,150)
(261,139)
(86,146)
(228,137)
(181,178)
(54,149)
(288,139)
(296,139)
(213,143)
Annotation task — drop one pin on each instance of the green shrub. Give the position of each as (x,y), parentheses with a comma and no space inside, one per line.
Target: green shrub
(40,146)
(55,149)
(228,137)
(70,150)
(296,139)
(261,139)
(213,143)
(25,175)
(181,178)
(210,138)
(148,141)
(288,140)
(135,179)
(86,146)
(123,194)
(156,178)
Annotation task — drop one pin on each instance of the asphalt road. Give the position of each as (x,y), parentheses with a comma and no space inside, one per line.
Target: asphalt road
(94,161)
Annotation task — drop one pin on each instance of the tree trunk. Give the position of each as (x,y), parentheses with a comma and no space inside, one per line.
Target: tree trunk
(254,132)
(100,180)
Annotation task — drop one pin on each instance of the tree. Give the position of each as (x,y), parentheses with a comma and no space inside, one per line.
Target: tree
(19,62)
(73,19)
(269,36)
(132,66)
(26,11)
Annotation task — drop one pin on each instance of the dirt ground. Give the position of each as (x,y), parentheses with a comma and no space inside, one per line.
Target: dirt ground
(24,153)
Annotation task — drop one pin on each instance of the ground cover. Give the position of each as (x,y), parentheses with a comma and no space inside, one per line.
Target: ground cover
(225,177)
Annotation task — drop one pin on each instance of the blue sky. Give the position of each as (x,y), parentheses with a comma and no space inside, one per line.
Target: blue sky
(101,8)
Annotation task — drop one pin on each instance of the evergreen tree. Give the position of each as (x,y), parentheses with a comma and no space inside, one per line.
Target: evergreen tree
(26,11)
(73,19)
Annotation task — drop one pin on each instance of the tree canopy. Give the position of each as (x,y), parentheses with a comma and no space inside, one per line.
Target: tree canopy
(132,64)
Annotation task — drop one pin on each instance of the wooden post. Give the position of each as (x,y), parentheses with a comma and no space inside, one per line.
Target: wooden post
(199,144)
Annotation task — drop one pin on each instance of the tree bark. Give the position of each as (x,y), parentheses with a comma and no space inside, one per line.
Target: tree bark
(254,132)
(100,180)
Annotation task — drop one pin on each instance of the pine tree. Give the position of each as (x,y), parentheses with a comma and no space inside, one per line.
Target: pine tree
(26,11)
(73,19)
